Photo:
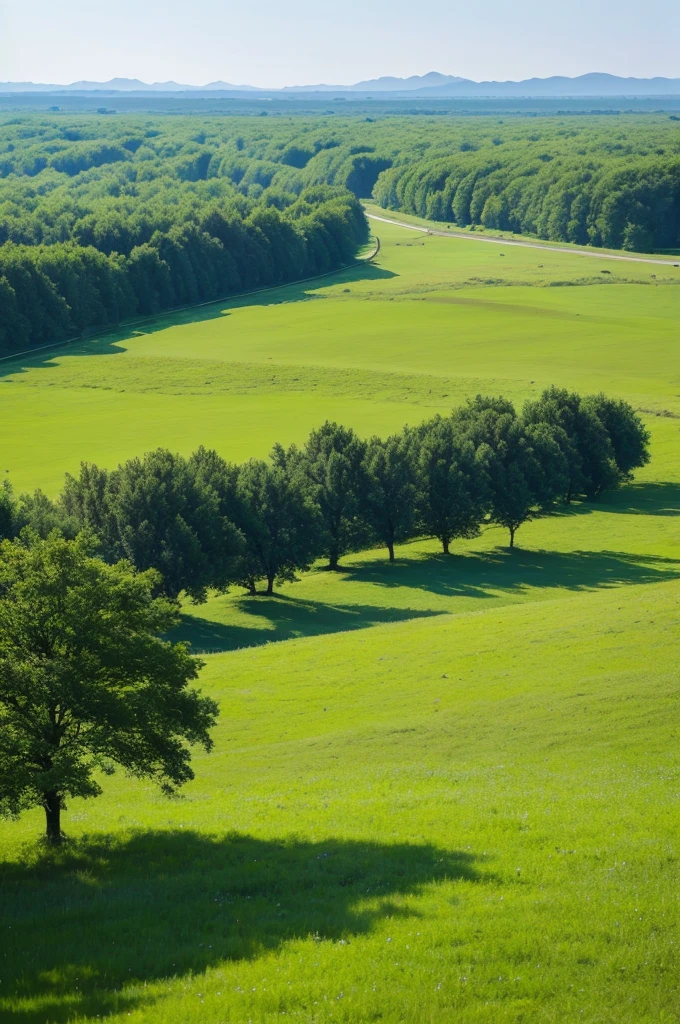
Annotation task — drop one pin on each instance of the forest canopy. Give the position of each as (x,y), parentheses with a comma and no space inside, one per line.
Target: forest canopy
(103,218)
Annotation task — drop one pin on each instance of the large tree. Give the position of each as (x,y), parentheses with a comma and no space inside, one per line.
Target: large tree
(627,433)
(281,523)
(389,497)
(86,683)
(453,492)
(526,465)
(333,463)
(587,446)
(160,513)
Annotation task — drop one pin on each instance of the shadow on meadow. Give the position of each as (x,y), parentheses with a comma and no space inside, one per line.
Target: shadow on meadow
(108,341)
(285,617)
(643,499)
(105,913)
(648,499)
(483,575)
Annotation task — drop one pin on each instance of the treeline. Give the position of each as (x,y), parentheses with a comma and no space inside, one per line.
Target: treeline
(103,219)
(52,292)
(634,207)
(111,182)
(205,524)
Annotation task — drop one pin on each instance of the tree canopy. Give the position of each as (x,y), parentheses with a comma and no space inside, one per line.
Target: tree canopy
(106,219)
(86,682)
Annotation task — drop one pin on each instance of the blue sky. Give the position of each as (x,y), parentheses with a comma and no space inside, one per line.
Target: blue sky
(288,42)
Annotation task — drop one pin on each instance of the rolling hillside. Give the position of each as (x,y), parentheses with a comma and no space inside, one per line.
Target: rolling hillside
(450,793)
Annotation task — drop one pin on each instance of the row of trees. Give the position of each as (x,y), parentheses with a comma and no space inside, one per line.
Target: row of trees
(52,292)
(635,207)
(86,683)
(204,523)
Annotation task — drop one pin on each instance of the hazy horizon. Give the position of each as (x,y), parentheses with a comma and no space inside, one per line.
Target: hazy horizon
(303,44)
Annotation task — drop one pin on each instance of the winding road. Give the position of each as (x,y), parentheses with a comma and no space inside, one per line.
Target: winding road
(524,245)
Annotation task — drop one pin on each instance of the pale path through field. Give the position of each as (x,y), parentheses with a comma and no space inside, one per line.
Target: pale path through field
(525,245)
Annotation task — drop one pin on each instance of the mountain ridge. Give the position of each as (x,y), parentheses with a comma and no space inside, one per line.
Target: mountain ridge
(431,85)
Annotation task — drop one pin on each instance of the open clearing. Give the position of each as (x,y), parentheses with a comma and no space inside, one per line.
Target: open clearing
(452,793)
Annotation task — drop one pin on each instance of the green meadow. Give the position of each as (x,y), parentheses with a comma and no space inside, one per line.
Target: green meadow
(443,790)
(432,321)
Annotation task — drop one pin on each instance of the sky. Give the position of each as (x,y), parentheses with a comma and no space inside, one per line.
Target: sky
(273,43)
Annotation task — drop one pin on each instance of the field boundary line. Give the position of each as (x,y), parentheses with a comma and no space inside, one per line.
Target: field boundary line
(92,332)
(496,240)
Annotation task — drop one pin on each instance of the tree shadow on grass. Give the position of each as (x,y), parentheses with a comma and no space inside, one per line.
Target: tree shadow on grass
(482,575)
(284,618)
(644,499)
(105,914)
(485,574)
(108,341)
(657,499)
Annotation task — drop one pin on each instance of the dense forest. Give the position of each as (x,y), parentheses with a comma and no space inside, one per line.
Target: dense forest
(104,218)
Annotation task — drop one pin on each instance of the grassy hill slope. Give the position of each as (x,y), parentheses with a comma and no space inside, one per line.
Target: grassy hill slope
(452,793)
(471,818)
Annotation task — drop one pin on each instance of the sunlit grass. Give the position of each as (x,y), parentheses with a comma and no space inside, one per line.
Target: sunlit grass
(373,347)
(451,795)
(470,818)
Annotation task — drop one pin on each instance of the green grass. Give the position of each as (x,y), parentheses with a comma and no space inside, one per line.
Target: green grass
(451,793)
(376,347)
(470,819)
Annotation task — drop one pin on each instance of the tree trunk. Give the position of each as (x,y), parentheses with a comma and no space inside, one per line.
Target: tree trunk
(52,805)
(445,545)
(334,560)
(512,536)
(270,585)
(390,548)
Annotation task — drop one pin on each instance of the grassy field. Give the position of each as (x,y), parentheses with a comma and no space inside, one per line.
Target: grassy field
(433,321)
(452,793)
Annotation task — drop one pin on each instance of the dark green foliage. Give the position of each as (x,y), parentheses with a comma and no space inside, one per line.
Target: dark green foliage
(589,448)
(597,191)
(333,464)
(106,228)
(203,523)
(159,513)
(628,435)
(9,512)
(280,522)
(526,466)
(42,516)
(389,497)
(453,488)
(113,270)
(85,681)
(110,222)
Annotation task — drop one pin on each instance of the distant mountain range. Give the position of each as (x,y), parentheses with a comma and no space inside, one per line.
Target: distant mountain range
(432,85)
(123,85)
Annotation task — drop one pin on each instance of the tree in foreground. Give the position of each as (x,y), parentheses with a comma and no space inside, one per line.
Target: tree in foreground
(86,683)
